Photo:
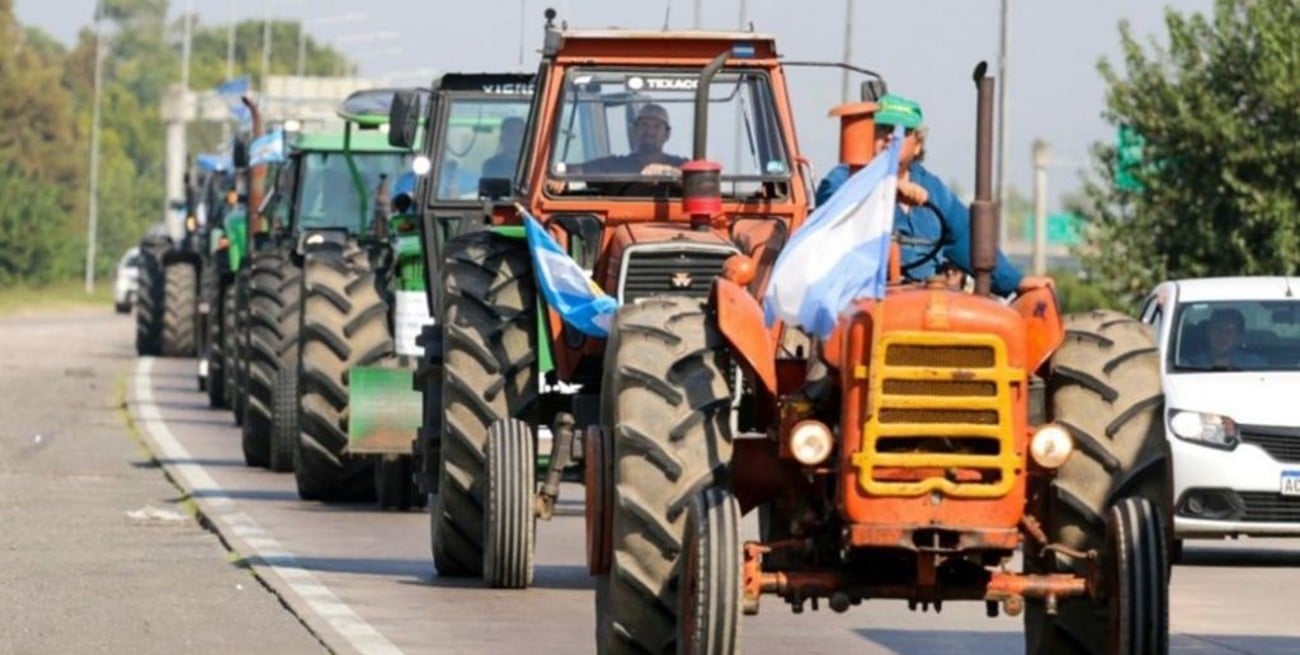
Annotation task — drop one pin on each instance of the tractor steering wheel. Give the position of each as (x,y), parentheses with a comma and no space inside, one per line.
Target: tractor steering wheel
(933,253)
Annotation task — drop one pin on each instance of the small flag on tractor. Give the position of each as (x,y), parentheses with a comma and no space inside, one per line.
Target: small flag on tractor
(267,149)
(578,300)
(231,91)
(841,254)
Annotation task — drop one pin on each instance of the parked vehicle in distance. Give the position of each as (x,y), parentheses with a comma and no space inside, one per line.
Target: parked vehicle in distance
(1230,349)
(126,279)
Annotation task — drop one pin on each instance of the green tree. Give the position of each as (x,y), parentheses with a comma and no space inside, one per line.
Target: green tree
(1216,109)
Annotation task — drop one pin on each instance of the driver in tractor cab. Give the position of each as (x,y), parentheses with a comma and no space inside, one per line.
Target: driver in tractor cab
(917,226)
(650,131)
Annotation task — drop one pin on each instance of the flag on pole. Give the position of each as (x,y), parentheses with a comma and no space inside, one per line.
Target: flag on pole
(231,91)
(578,300)
(267,149)
(841,253)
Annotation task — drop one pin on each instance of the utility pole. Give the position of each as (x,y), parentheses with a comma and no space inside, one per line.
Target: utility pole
(230,60)
(523,10)
(1041,154)
(1003,49)
(699,14)
(266,50)
(93,210)
(848,49)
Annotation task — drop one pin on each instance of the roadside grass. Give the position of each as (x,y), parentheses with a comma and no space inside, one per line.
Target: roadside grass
(59,296)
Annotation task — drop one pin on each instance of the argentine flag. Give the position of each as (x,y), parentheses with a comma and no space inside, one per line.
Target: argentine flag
(567,289)
(841,253)
(267,149)
(231,91)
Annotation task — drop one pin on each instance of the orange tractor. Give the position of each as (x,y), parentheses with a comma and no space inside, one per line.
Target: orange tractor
(910,455)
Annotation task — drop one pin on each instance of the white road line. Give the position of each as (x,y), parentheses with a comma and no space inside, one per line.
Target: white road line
(223,512)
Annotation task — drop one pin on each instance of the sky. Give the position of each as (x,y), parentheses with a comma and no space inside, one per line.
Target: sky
(925,49)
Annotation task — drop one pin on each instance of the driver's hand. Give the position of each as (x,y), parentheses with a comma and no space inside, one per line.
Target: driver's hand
(1031,282)
(555,186)
(661,170)
(912,193)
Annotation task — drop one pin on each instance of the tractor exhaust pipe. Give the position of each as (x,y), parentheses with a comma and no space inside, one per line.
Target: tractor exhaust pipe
(256,174)
(702,179)
(984,209)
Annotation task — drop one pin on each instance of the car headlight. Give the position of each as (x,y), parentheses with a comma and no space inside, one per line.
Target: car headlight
(1210,430)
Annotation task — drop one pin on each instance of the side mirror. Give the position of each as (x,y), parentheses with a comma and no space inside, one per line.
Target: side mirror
(494,188)
(403,119)
(873,90)
(239,154)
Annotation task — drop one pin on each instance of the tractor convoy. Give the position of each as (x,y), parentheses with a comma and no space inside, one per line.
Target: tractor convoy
(470,293)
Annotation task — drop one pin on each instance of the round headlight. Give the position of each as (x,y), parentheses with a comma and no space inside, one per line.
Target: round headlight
(1051,446)
(1187,425)
(811,442)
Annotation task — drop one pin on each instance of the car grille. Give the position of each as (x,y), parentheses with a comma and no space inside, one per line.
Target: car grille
(670,270)
(1269,507)
(1281,443)
(941,419)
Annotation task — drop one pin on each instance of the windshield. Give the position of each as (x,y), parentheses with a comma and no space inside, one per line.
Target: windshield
(328,196)
(638,126)
(1240,335)
(482,140)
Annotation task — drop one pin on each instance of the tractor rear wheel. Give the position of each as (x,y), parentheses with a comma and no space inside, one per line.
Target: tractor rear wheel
(489,374)
(672,438)
(149,303)
(180,308)
(229,332)
(508,520)
(344,324)
(274,290)
(710,588)
(1104,388)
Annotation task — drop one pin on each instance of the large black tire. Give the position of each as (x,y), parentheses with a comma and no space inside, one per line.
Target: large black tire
(1104,387)
(149,303)
(180,311)
(395,483)
(284,419)
(489,374)
(508,519)
(229,333)
(274,292)
(427,379)
(215,346)
(1139,594)
(239,346)
(672,439)
(711,586)
(344,324)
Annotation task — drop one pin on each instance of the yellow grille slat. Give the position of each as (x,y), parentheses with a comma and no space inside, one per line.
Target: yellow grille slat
(942,377)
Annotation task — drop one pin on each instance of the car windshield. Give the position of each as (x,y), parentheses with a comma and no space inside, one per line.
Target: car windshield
(1239,335)
(637,126)
(328,195)
(482,140)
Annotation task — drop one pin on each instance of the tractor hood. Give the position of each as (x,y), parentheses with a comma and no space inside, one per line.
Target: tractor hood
(671,259)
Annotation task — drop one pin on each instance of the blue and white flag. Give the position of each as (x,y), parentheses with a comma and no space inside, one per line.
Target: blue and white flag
(841,253)
(231,92)
(267,149)
(567,289)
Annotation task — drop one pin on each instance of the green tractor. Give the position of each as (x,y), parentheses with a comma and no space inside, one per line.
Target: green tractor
(220,248)
(166,312)
(317,302)
(469,129)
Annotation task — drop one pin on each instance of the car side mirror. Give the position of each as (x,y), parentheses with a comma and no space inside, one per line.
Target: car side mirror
(403,119)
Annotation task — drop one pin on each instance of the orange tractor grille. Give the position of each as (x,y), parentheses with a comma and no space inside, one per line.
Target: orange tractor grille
(940,417)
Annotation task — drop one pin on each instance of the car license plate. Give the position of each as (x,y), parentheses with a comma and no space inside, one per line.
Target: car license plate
(1291,483)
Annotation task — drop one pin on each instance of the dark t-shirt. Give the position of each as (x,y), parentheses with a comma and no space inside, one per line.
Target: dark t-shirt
(628,164)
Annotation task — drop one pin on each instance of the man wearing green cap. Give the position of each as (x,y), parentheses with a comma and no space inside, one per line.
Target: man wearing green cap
(918,228)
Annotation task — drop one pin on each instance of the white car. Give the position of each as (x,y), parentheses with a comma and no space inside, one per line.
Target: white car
(126,281)
(1230,353)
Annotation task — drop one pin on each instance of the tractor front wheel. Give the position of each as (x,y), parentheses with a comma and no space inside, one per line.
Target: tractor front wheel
(710,601)
(149,303)
(180,309)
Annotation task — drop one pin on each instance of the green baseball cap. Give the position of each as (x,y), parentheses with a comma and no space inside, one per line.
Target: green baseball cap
(897,110)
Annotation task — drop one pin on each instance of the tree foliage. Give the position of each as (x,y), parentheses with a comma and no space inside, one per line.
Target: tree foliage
(46,95)
(1217,109)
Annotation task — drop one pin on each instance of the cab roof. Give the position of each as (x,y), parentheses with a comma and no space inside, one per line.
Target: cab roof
(1257,287)
(676,44)
(362,141)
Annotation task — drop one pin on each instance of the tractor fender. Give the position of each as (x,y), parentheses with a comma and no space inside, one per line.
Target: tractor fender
(1044,329)
(740,321)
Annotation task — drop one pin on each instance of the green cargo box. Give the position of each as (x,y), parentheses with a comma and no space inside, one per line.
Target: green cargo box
(385,412)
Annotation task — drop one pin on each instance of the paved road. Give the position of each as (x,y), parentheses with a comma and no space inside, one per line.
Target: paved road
(362,580)
(79,575)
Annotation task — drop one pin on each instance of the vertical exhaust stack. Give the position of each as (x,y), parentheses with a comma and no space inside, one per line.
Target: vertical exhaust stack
(983,210)
(256,174)
(857,133)
(701,178)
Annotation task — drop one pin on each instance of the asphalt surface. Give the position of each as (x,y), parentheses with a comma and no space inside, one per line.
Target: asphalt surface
(362,580)
(99,553)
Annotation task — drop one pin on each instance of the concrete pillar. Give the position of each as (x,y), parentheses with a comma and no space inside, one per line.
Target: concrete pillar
(1041,153)
(174,117)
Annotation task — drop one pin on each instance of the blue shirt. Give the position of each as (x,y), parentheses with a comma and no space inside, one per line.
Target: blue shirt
(922,224)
